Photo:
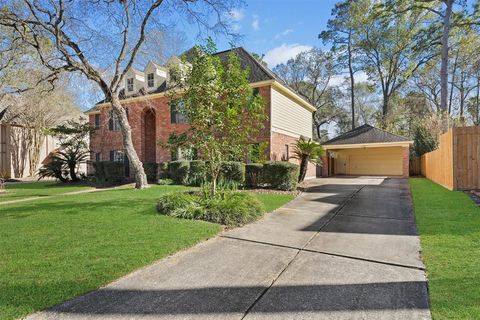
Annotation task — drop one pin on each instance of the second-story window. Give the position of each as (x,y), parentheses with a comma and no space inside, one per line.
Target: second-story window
(150,80)
(97,121)
(177,112)
(113,123)
(130,84)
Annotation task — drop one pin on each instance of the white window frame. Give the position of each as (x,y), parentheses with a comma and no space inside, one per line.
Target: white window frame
(130,82)
(151,81)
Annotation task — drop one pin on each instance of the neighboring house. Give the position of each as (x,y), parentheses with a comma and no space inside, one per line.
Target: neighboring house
(367,150)
(14,153)
(12,158)
(152,118)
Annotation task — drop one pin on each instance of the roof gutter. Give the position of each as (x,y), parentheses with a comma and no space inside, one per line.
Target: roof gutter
(367,145)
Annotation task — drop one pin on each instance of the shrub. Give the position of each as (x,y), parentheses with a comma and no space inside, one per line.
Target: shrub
(109,171)
(180,205)
(198,173)
(164,182)
(178,171)
(231,208)
(281,175)
(151,171)
(253,175)
(232,171)
(163,170)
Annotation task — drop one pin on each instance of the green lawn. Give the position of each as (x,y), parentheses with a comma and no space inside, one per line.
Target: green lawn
(449,227)
(17,191)
(56,248)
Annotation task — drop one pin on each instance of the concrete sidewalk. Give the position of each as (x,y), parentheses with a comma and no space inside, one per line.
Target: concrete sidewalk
(345,249)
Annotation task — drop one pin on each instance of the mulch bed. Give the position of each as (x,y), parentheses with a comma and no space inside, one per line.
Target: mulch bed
(475,195)
(294,192)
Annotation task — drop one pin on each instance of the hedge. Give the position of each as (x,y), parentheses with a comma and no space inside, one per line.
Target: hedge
(232,171)
(253,175)
(109,171)
(163,170)
(281,175)
(151,171)
(178,171)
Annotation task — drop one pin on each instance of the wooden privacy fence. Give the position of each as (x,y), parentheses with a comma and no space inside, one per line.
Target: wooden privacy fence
(456,163)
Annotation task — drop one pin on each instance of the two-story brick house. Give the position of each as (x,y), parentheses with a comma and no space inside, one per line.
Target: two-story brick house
(153,119)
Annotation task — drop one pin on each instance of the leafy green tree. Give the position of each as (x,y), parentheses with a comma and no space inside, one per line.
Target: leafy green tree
(307,151)
(391,48)
(444,15)
(223,111)
(424,140)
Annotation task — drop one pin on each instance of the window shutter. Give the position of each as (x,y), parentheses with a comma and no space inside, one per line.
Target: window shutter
(112,155)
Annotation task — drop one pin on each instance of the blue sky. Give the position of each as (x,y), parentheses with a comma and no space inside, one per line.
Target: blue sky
(278,28)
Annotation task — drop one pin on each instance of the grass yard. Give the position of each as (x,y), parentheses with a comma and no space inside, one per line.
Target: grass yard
(449,227)
(53,249)
(17,191)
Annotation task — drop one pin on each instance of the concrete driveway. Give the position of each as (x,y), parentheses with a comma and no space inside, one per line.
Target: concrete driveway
(345,249)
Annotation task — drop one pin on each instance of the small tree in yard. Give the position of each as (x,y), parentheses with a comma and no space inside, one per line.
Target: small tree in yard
(73,151)
(221,107)
(307,151)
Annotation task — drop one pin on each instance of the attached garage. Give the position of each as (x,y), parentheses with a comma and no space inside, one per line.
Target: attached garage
(367,151)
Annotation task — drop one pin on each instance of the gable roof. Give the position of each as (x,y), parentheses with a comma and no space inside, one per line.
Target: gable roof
(258,73)
(365,134)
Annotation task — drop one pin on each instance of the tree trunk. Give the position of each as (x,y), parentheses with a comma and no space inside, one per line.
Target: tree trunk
(73,172)
(352,81)
(139,172)
(384,109)
(454,71)
(444,58)
(303,168)
(477,103)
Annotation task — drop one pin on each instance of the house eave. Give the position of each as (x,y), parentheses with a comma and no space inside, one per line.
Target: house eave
(367,145)
(275,84)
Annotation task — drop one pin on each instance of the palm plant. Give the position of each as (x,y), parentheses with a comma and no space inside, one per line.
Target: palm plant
(307,151)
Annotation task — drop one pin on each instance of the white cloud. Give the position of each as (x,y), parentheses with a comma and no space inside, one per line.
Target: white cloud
(256,22)
(237,14)
(339,80)
(283,53)
(283,33)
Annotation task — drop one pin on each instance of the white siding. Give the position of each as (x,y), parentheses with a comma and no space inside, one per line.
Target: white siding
(290,118)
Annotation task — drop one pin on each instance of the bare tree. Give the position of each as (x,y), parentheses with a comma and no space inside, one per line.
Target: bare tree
(30,113)
(74,36)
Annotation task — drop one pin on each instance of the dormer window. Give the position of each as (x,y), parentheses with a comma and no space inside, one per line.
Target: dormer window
(130,84)
(150,80)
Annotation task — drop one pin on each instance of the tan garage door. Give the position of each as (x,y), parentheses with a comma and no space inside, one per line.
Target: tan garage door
(375,161)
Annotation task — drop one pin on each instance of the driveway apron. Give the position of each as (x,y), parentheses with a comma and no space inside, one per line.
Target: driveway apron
(347,248)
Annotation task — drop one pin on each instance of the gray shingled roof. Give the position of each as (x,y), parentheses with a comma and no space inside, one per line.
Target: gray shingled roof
(366,134)
(258,72)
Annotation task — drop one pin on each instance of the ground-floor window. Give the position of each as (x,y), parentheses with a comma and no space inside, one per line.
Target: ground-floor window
(117,155)
(286,153)
(98,157)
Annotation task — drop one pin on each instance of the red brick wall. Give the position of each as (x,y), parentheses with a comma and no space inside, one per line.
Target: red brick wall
(406,162)
(278,142)
(104,140)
